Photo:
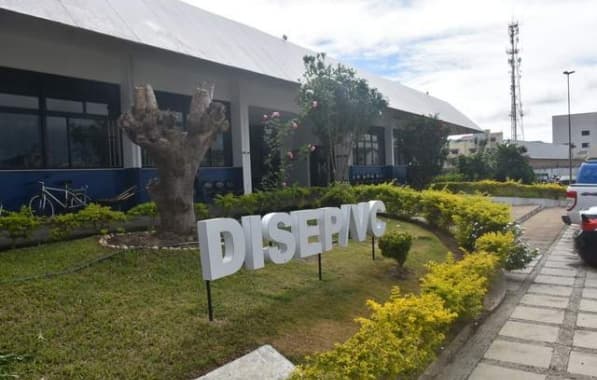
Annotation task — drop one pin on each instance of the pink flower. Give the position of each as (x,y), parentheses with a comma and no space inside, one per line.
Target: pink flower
(275,114)
(265,117)
(314,104)
(312,147)
(294,125)
(290,155)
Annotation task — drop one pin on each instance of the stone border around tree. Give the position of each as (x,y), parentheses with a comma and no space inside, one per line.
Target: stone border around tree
(104,242)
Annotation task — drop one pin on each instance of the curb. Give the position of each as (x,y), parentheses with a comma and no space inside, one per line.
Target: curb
(529,214)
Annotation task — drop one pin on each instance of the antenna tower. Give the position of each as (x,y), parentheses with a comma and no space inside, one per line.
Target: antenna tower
(516,112)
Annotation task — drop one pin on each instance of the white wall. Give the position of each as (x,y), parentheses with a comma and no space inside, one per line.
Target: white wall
(579,122)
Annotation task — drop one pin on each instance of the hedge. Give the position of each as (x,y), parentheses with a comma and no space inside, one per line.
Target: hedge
(504,189)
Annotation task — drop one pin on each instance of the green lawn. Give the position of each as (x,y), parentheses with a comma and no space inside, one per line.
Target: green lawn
(143,314)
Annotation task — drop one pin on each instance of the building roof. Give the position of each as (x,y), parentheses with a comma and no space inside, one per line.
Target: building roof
(545,151)
(184,29)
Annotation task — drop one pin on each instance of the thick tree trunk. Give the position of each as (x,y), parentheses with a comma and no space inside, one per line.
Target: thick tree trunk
(173,195)
(175,152)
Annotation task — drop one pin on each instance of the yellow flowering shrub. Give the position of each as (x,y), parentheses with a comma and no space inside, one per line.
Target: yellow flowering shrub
(400,337)
(504,189)
(462,284)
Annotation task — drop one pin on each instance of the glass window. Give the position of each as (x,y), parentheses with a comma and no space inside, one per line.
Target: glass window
(585,133)
(370,149)
(585,145)
(96,108)
(88,141)
(63,105)
(20,141)
(19,101)
(57,143)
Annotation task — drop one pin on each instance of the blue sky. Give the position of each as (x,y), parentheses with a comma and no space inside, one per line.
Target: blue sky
(454,49)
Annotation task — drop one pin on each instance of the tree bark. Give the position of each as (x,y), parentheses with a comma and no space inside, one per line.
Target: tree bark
(176,153)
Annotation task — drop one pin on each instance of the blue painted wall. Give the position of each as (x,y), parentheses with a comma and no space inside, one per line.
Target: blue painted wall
(17,187)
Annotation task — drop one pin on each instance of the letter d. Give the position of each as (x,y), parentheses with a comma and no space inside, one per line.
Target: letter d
(215,263)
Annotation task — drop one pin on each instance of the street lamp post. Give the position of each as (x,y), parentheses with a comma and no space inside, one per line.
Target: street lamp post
(567,73)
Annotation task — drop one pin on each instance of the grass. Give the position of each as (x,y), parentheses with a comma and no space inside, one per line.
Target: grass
(142,314)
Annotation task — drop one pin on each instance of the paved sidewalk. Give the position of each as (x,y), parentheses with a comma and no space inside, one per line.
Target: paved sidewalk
(546,328)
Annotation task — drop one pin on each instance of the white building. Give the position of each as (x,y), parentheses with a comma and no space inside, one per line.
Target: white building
(583,133)
(473,143)
(68,69)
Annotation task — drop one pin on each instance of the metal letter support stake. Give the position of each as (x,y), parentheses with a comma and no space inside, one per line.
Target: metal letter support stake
(372,247)
(319,265)
(210,310)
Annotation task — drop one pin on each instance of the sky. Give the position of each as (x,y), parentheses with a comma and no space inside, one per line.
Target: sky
(455,50)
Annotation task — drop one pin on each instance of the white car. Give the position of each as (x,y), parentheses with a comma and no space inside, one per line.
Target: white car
(582,195)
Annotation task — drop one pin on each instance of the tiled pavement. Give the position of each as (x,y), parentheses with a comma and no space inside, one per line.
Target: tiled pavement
(551,332)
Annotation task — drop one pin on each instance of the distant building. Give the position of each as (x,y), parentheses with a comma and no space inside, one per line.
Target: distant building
(549,160)
(472,143)
(583,133)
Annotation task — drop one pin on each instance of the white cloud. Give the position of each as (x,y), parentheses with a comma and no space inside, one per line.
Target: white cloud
(453,49)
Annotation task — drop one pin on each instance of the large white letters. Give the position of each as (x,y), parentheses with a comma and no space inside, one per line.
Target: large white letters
(226,244)
(283,241)
(303,231)
(215,263)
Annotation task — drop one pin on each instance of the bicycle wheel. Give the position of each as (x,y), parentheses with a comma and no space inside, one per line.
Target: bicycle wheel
(41,206)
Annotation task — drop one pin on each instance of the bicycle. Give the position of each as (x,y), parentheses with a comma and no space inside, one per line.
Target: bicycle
(42,204)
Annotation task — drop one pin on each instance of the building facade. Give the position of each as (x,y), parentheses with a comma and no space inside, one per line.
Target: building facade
(68,72)
(583,133)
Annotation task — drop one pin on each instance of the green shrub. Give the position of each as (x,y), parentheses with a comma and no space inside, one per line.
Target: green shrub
(402,202)
(513,253)
(144,209)
(18,224)
(62,226)
(337,195)
(504,189)
(99,217)
(463,284)
(397,341)
(396,245)
(201,211)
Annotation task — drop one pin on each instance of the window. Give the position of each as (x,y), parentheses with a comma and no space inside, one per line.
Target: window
(585,132)
(20,141)
(220,153)
(492,139)
(472,150)
(454,151)
(49,121)
(585,145)
(370,149)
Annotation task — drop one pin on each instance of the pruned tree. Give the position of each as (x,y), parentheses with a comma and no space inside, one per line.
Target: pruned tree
(175,152)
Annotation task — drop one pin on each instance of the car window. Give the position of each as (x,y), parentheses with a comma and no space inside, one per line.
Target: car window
(587,174)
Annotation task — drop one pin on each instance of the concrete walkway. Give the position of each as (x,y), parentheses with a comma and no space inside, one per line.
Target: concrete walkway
(546,328)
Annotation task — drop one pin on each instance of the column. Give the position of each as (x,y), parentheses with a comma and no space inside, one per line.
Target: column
(389,145)
(131,152)
(241,149)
